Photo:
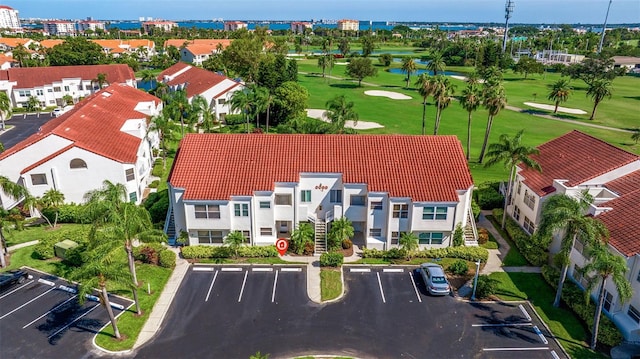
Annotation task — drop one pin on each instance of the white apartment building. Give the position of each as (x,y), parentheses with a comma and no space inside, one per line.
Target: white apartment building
(105,137)
(60,28)
(348,25)
(265,185)
(197,53)
(298,27)
(90,25)
(165,26)
(51,84)
(571,164)
(234,25)
(9,18)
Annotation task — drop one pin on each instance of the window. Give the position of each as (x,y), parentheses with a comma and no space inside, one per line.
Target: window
(207,211)
(438,213)
(376,205)
(246,235)
(39,93)
(241,209)
(578,275)
(519,187)
(578,245)
(395,237)
(79,87)
(266,231)
(634,314)
(222,101)
(49,90)
(430,237)
(129,173)
(283,199)
(24,93)
(400,210)
(358,200)
(528,225)
(335,196)
(305,196)
(529,199)
(608,300)
(66,88)
(209,237)
(56,89)
(133,197)
(38,179)
(516,213)
(375,232)
(87,87)
(77,163)
(265,204)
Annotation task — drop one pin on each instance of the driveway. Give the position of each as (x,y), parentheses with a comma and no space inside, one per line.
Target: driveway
(24,126)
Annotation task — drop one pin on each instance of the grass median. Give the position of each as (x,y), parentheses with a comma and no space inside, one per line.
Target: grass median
(330,283)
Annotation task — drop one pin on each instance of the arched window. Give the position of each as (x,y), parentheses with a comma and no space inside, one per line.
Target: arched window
(77,163)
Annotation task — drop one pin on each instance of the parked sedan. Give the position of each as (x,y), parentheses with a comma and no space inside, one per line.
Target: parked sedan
(12,277)
(434,279)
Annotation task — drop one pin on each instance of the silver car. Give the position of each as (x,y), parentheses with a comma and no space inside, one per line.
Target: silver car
(434,279)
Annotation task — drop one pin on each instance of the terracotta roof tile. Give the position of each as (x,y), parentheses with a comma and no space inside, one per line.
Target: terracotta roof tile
(14,41)
(217,166)
(30,77)
(576,157)
(623,222)
(198,80)
(180,42)
(625,184)
(49,43)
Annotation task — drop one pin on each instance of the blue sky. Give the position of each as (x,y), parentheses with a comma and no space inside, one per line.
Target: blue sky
(526,11)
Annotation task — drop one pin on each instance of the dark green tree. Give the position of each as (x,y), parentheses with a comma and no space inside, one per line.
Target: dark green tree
(359,68)
(77,51)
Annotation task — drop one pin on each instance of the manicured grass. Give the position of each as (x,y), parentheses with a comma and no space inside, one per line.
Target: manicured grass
(513,258)
(38,232)
(24,257)
(563,323)
(330,283)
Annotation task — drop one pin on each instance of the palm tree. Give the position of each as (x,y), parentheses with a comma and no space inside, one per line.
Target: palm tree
(163,124)
(340,230)
(199,109)
(178,106)
(100,80)
(635,137)
(494,100)
(339,111)
(52,199)
(241,101)
(598,90)
(301,236)
(409,242)
(260,95)
(560,91)
(5,108)
(436,64)
(442,95)
(235,240)
(425,89)
(567,214)
(16,192)
(606,265)
(147,76)
(409,66)
(470,101)
(511,152)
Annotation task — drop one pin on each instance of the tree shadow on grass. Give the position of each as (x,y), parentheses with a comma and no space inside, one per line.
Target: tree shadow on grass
(633,97)
(344,85)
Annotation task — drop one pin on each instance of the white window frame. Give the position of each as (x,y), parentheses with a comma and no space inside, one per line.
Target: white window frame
(305,196)
(206,211)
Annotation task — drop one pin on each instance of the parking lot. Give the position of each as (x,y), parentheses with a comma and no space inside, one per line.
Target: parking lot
(24,125)
(234,312)
(41,318)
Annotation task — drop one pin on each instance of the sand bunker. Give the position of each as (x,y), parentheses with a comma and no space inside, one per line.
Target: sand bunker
(463,78)
(389,94)
(361,125)
(573,111)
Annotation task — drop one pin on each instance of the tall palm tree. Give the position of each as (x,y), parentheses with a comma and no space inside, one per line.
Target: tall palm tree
(199,109)
(339,111)
(598,90)
(241,101)
(560,92)
(235,240)
(340,230)
(567,214)
(260,95)
(494,100)
(163,124)
(409,66)
(177,107)
(471,99)
(425,89)
(409,242)
(52,199)
(511,152)
(436,64)
(442,95)
(5,108)
(16,192)
(606,265)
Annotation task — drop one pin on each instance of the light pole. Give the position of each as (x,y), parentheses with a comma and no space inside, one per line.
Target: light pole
(604,27)
(475,280)
(508,9)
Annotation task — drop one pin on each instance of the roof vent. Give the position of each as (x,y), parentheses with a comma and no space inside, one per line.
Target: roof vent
(106,94)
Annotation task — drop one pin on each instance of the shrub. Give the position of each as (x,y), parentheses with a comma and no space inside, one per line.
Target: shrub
(347,243)
(466,253)
(385,59)
(308,249)
(154,184)
(531,247)
(149,255)
(486,286)
(141,253)
(483,235)
(475,209)
(258,251)
(198,252)
(458,236)
(167,259)
(73,256)
(157,204)
(394,253)
(331,259)
(488,197)
(67,213)
(458,267)
(158,168)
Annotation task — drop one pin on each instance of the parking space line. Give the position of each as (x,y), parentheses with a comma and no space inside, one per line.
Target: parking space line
(215,275)
(244,281)
(20,287)
(234,269)
(47,282)
(554,354)
(262,269)
(25,304)
(524,312)
(393,270)
(273,294)
(285,269)
(503,325)
(513,349)
(361,270)
(203,269)
(542,338)
(381,291)
(75,320)
(415,287)
(45,314)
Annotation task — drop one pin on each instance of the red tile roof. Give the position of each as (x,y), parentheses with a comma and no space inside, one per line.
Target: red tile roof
(623,223)
(625,184)
(217,166)
(94,125)
(576,157)
(199,80)
(30,77)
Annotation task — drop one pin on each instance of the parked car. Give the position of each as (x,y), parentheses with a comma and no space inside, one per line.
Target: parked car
(56,112)
(12,277)
(434,279)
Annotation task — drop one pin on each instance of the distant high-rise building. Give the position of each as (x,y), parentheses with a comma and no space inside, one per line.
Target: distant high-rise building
(90,25)
(299,27)
(60,28)
(162,25)
(9,18)
(352,25)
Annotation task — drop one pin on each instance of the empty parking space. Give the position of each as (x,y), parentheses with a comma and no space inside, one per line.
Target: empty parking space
(397,285)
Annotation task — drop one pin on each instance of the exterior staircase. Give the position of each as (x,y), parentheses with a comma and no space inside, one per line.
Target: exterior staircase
(470,231)
(170,227)
(320,235)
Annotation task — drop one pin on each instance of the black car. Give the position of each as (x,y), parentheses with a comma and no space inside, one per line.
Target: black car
(12,277)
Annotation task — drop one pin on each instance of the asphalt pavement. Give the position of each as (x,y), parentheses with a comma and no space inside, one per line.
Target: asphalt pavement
(22,126)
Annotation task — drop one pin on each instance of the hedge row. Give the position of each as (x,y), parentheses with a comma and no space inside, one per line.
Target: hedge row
(200,252)
(67,213)
(331,259)
(574,297)
(488,196)
(530,247)
(45,248)
(466,253)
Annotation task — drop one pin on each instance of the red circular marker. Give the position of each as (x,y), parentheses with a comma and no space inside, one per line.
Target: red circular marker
(282,245)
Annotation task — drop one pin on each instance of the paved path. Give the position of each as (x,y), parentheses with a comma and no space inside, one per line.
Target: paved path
(22,245)
(575,122)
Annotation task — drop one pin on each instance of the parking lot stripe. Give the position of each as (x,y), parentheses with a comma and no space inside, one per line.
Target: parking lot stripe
(285,269)
(513,349)
(393,270)
(542,338)
(524,312)
(22,306)
(203,269)
(503,325)
(380,284)
(554,354)
(362,270)
(43,315)
(20,287)
(215,275)
(415,287)
(75,320)
(273,295)
(244,281)
(262,269)
(234,269)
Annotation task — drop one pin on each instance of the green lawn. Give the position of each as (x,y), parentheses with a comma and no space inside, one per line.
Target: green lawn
(330,283)
(37,232)
(513,258)
(563,323)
